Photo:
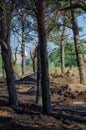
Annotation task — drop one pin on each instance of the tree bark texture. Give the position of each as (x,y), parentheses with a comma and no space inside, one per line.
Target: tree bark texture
(38,75)
(44,58)
(62,48)
(77,45)
(5,31)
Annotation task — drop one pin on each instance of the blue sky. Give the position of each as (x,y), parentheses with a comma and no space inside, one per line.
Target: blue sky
(82,23)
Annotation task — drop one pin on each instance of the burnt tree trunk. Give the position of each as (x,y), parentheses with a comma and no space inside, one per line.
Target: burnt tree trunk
(44,58)
(3,71)
(38,75)
(34,62)
(33,58)
(23,45)
(5,30)
(77,45)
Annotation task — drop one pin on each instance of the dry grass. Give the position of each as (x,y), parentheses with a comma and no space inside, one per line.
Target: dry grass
(77,87)
(5,113)
(23,88)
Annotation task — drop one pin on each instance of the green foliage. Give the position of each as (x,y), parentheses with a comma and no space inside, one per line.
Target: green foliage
(55,57)
(83,49)
(83,41)
(70,56)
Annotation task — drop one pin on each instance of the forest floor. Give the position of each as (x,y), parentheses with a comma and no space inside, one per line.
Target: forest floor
(68,99)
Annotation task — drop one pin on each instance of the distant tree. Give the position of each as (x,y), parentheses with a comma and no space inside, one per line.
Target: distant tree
(23,21)
(63,38)
(70,55)
(33,56)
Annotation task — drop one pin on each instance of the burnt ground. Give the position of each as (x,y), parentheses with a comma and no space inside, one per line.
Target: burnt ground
(68,99)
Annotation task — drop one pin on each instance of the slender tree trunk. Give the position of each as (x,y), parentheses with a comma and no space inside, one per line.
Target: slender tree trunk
(6,57)
(15,56)
(77,45)
(3,71)
(23,45)
(38,75)
(34,64)
(62,50)
(33,57)
(44,58)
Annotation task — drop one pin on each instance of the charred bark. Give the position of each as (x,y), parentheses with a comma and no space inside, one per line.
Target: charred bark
(5,31)
(38,75)
(44,58)
(33,58)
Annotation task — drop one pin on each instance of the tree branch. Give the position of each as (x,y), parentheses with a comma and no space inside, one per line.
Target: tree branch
(69,7)
(3,44)
(76,5)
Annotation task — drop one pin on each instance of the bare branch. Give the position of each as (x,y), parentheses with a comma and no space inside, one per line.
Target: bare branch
(3,44)
(82,35)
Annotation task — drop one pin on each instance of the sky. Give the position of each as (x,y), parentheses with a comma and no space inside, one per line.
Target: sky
(82,23)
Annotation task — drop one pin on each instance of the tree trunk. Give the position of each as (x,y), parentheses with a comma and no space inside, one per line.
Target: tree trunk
(3,71)
(23,45)
(34,64)
(10,78)
(44,58)
(62,49)
(38,75)
(6,57)
(33,58)
(77,45)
